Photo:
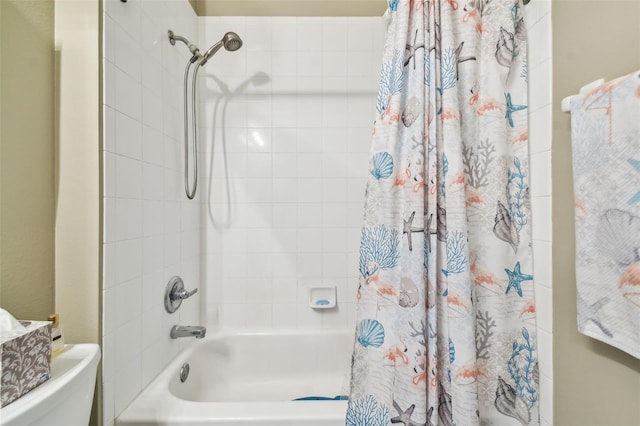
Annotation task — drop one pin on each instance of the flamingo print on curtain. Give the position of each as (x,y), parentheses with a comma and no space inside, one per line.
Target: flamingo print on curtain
(445,324)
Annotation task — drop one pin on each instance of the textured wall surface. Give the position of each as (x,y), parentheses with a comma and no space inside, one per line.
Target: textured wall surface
(594,384)
(78,154)
(27,189)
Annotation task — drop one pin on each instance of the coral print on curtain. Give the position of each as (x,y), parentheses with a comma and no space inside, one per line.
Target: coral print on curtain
(445,331)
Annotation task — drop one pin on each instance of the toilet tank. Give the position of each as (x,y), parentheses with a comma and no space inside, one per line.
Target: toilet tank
(66,398)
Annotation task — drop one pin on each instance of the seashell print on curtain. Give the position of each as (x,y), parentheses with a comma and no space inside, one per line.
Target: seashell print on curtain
(445,331)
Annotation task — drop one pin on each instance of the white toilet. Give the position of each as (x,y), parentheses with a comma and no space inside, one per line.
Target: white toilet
(66,398)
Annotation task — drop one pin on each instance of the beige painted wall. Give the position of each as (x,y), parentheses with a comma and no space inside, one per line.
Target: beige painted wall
(289,7)
(594,384)
(77,44)
(77,243)
(27,158)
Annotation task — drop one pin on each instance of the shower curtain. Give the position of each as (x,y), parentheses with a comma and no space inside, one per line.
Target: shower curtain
(445,325)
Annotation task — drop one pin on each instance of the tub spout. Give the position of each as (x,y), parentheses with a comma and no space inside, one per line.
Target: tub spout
(196,331)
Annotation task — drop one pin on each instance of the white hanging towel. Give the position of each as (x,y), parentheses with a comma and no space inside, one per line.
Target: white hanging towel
(605,132)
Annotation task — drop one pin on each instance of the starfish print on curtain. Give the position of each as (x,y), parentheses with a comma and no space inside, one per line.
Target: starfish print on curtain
(445,331)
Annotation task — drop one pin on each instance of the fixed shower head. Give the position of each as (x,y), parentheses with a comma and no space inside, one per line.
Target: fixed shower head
(230,41)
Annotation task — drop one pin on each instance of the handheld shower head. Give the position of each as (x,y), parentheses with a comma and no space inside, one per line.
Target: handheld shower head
(230,41)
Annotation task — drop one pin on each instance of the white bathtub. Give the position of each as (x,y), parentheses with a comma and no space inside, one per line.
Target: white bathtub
(250,378)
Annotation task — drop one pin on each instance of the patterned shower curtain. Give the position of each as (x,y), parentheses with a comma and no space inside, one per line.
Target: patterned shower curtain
(445,331)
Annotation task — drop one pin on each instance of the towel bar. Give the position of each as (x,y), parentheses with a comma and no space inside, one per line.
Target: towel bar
(566,102)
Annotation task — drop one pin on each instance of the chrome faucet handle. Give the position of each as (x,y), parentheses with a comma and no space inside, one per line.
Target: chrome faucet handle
(175,293)
(182,294)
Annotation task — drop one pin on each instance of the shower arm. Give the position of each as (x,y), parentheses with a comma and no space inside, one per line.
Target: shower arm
(192,47)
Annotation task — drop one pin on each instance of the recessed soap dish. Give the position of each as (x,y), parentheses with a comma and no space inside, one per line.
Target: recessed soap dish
(322,297)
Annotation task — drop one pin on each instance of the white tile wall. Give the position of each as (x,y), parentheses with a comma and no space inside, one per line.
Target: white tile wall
(150,231)
(538,18)
(293,113)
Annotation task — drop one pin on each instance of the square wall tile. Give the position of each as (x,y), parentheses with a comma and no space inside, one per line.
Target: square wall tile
(285,140)
(540,169)
(310,215)
(152,176)
(127,16)
(258,315)
(285,112)
(259,32)
(534,13)
(284,315)
(128,260)
(540,78)
(128,95)
(234,316)
(309,33)
(128,219)
(542,258)
(109,129)
(152,218)
(109,39)
(335,318)
(128,384)
(546,399)
(544,308)
(284,34)
(153,288)
(152,254)
(540,31)
(152,146)
(540,130)
(128,177)
(127,53)
(545,351)
(129,306)
(285,165)
(308,318)
(541,218)
(334,63)
(259,62)
(334,34)
(152,109)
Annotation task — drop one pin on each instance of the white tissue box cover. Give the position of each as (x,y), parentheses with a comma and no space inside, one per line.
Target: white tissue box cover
(26,360)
